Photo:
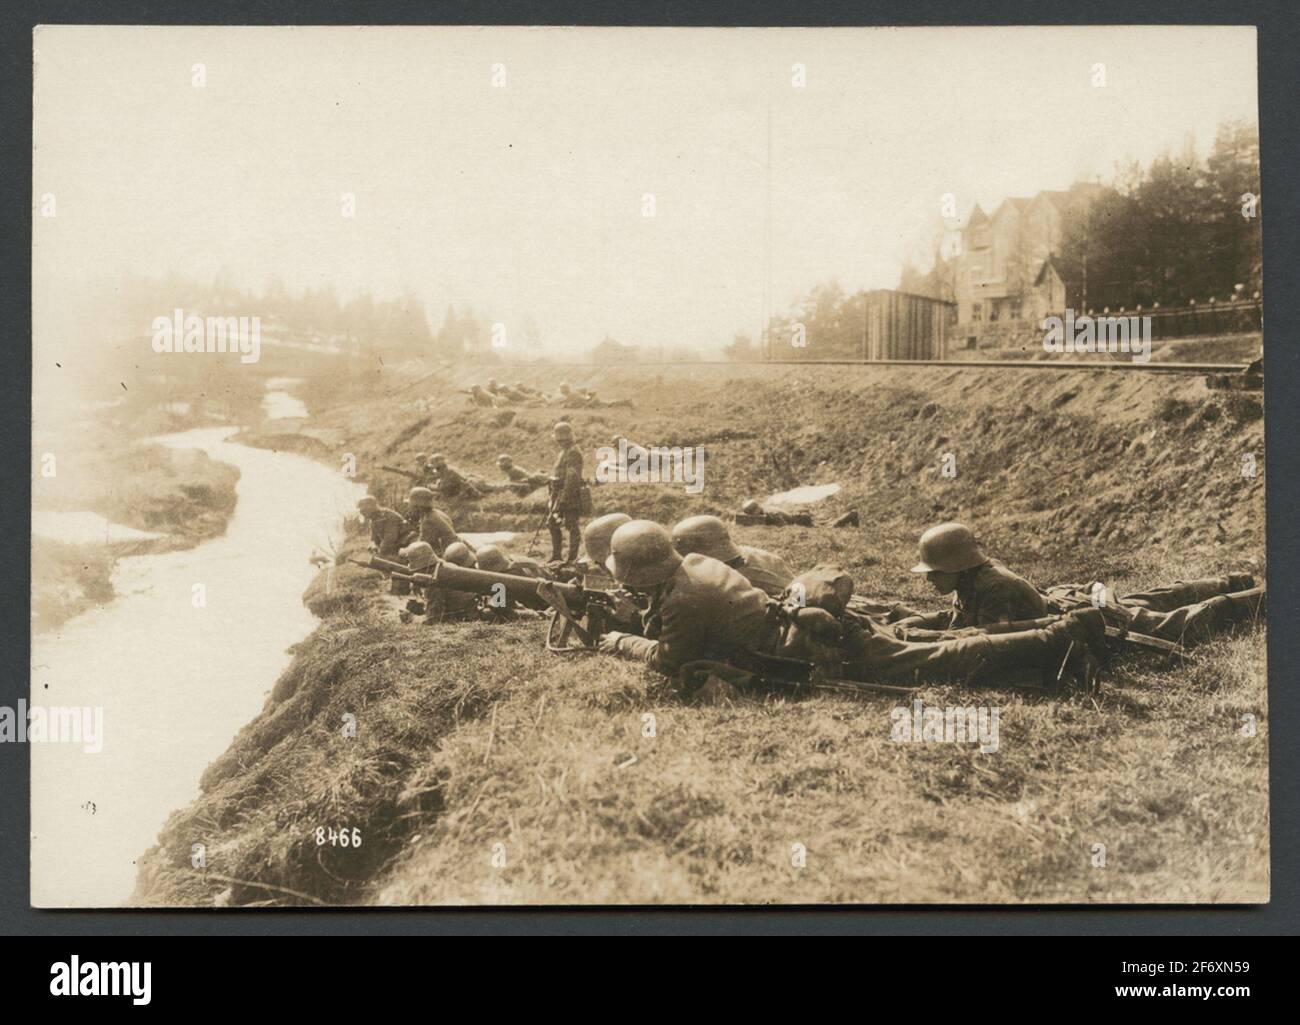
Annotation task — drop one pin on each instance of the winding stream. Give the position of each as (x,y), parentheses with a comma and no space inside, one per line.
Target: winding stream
(179,662)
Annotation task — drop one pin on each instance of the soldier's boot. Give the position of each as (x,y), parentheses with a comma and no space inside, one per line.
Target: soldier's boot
(1189,592)
(557,543)
(575,541)
(1217,614)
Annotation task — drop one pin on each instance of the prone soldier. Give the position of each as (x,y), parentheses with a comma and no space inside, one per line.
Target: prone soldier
(708,535)
(984,591)
(752,513)
(451,482)
(702,609)
(521,481)
(443,606)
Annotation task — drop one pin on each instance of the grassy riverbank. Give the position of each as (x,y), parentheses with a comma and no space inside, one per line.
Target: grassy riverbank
(484,770)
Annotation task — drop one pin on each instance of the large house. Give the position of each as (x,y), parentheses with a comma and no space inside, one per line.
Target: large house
(1010,267)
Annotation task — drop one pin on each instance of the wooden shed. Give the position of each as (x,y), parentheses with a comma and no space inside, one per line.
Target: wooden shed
(902,325)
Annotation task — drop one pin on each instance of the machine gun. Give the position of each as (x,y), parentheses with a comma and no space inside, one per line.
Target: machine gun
(402,473)
(579,615)
(399,569)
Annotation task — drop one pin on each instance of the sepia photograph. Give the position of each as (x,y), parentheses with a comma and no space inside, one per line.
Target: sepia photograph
(586,466)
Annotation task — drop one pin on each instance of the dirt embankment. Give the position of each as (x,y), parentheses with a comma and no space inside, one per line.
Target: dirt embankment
(474,767)
(182,495)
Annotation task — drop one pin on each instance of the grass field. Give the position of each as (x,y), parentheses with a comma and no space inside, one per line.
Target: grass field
(485,770)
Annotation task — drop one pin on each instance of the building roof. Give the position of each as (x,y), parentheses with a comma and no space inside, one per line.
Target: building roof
(1069,271)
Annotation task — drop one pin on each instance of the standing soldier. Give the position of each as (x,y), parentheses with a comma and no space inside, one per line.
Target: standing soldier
(708,535)
(566,495)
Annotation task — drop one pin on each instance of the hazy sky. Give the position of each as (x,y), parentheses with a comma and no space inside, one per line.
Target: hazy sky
(527,199)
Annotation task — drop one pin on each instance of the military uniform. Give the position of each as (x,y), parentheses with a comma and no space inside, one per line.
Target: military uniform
(751,517)
(389,532)
(454,484)
(878,653)
(705,610)
(436,528)
(765,570)
(567,477)
(521,481)
(1186,612)
(986,595)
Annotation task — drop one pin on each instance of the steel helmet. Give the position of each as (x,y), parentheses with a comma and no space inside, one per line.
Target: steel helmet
(458,554)
(705,535)
(418,555)
(437,459)
(949,548)
(751,508)
(563,430)
(641,554)
(822,587)
(421,458)
(504,460)
(421,498)
(595,539)
(492,559)
(368,504)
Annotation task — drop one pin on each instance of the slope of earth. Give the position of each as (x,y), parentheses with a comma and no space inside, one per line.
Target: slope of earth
(484,770)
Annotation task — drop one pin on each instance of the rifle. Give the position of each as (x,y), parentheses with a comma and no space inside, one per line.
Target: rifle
(550,511)
(754,668)
(403,473)
(1113,633)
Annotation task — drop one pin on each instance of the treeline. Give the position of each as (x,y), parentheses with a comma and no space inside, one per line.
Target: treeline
(397,327)
(1183,229)
(825,323)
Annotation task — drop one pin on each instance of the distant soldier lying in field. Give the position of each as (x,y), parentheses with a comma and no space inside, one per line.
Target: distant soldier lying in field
(522,481)
(584,398)
(753,514)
